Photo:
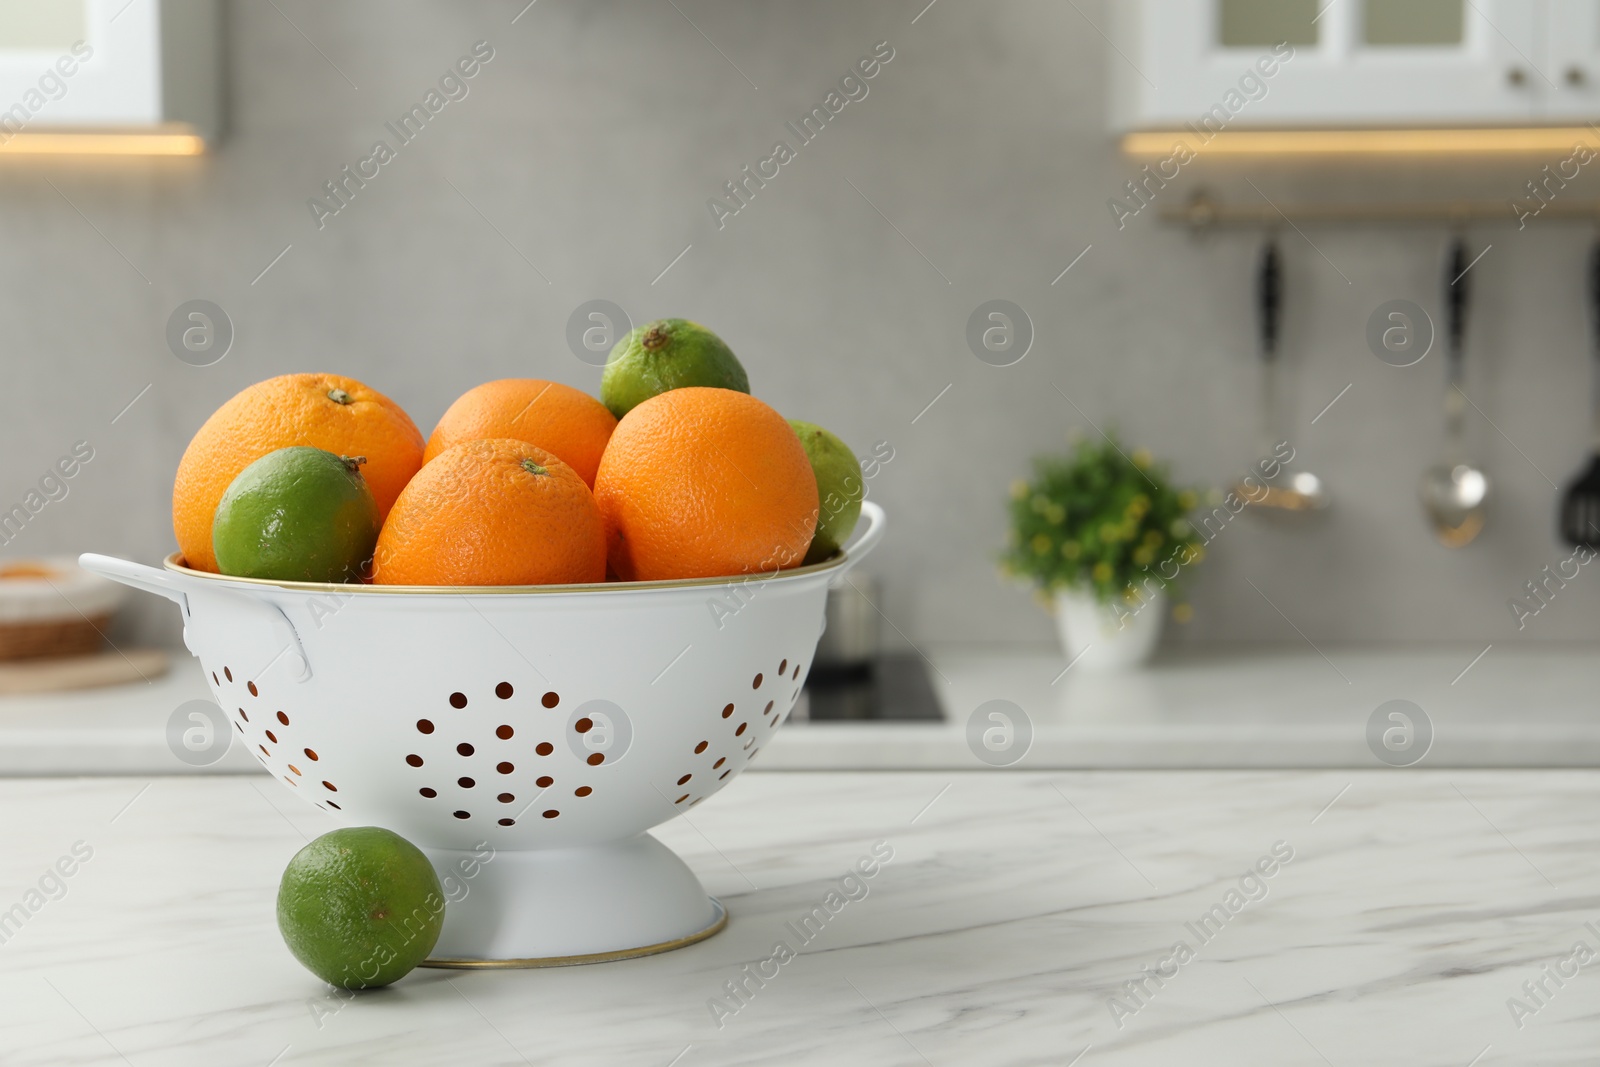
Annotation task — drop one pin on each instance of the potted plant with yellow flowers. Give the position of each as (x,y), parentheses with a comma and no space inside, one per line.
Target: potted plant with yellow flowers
(1103,536)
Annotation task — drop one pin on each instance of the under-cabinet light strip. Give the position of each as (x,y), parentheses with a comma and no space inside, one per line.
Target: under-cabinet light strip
(103,143)
(1529,139)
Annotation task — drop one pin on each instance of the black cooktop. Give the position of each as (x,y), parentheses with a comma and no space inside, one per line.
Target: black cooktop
(892,688)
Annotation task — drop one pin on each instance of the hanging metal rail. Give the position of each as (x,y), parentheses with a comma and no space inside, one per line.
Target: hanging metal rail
(1204,212)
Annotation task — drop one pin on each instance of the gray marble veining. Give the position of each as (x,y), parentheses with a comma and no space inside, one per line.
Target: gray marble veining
(1005,929)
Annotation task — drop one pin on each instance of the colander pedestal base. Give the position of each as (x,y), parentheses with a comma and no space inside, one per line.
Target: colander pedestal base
(554,907)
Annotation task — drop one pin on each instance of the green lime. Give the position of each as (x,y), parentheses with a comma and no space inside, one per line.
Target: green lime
(667,354)
(298,514)
(840,489)
(360,907)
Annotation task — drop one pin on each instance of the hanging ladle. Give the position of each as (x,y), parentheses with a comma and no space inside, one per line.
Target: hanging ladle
(1454,492)
(1301,490)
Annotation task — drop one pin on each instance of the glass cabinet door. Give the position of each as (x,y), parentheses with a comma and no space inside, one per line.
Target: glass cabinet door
(1264,23)
(42,25)
(1412,24)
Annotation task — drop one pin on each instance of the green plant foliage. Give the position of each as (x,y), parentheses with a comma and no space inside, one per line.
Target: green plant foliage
(1101,520)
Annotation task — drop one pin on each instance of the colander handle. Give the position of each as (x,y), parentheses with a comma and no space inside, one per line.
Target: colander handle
(151,580)
(171,586)
(864,544)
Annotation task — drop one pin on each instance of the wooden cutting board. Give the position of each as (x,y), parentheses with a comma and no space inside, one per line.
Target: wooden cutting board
(82,672)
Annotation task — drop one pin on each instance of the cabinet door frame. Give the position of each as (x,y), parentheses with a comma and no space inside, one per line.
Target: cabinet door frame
(153,64)
(119,84)
(1175,70)
(1571,63)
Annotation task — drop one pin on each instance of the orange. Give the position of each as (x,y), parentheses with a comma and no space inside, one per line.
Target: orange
(492,512)
(555,417)
(339,415)
(701,482)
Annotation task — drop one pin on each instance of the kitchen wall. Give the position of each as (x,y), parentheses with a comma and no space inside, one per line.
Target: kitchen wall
(978,166)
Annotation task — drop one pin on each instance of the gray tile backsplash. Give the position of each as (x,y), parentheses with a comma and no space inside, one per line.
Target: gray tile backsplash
(975,164)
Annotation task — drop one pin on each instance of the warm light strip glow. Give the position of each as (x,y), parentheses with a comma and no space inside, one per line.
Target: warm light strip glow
(103,143)
(1530,139)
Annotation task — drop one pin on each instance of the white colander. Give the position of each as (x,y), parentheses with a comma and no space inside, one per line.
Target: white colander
(548,727)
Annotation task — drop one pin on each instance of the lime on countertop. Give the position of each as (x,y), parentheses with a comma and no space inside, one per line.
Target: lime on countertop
(360,907)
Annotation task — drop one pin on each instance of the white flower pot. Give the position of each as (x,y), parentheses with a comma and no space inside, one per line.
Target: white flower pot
(1103,637)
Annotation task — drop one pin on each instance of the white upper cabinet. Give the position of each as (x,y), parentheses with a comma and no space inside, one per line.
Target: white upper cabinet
(118,65)
(1571,85)
(1330,63)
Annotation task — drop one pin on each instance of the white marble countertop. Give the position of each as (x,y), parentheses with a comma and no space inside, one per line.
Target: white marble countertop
(1016,906)
(1504,706)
